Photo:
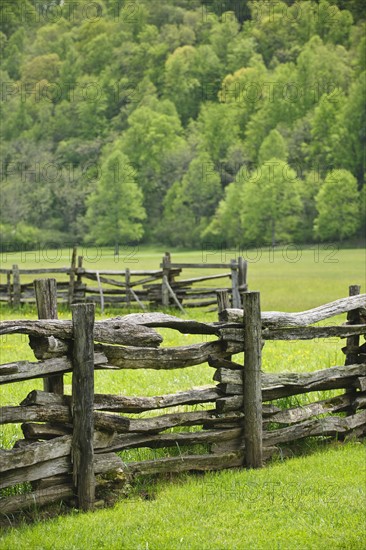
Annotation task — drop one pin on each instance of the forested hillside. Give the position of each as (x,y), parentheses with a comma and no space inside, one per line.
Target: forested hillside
(182,121)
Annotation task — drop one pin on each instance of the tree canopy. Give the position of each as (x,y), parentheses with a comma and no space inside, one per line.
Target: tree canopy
(242,122)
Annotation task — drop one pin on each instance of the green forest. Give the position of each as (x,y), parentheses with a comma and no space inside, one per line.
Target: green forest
(182,122)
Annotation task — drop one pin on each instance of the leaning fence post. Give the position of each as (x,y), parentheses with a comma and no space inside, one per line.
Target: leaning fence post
(46,300)
(16,286)
(252,390)
(82,452)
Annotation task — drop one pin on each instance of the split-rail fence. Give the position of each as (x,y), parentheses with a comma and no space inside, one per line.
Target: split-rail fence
(70,439)
(144,289)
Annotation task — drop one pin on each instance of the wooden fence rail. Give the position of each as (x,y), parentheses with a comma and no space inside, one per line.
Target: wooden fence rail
(122,288)
(69,439)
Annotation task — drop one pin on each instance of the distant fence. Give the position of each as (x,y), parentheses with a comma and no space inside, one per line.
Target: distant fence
(68,439)
(123,288)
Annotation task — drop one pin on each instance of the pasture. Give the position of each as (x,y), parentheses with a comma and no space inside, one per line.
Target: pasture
(312,501)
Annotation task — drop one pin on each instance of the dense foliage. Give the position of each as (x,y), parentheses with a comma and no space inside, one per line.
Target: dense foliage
(182,121)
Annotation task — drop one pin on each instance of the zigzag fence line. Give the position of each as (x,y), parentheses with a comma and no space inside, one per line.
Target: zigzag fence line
(70,439)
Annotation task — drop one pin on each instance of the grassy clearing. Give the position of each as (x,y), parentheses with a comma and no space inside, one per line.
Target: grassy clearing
(289,278)
(315,501)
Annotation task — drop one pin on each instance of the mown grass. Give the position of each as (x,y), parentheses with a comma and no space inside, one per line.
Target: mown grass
(315,501)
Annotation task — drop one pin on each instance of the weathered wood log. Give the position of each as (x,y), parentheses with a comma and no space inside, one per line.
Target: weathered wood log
(275,386)
(200,303)
(48,347)
(12,415)
(103,463)
(163,320)
(82,405)
(200,266)
(163,358)
(171,420)
(40,271)
(361,383)
(40,497)
(126,404)
(82,271)
(218,363)
(298,414)
(61,479)
(106,280)
(36,452)
(201,279)
(112,422)
(223,301)
(231,389)
(109,331)
(44,431)
(25,370)
(278,319)
(60,415)
(153,441)
(298,333)
(331,425)
(186,463)
(310,333)
(229,376)
(232,403)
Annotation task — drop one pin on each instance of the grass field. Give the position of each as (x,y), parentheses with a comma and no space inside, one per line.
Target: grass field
(314,501)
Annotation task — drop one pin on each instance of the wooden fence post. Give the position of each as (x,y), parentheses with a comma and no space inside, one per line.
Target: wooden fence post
(223,302)
(235,284)
(16,286)
(353,318)
(80,266)
(252,390)
(79,280)
(164,288)
(46,299)
(242,276)
(72,277)
(8,287)
(128,283)
(82,452)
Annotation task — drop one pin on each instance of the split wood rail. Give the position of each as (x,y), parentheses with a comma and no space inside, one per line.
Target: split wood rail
(239,420)
(144,289)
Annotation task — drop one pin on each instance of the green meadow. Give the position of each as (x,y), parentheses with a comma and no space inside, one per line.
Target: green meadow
(315,500)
